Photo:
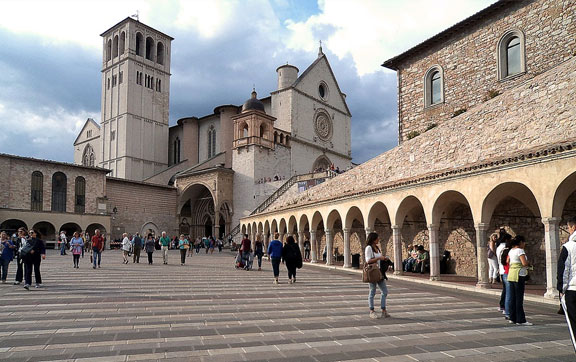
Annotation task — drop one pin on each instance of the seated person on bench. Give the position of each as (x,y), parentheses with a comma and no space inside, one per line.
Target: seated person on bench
(423,262)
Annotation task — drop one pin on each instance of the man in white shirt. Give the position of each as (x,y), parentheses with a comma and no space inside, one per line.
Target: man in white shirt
(566,279)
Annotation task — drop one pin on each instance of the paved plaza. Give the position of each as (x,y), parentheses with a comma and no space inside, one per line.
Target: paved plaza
(208,311)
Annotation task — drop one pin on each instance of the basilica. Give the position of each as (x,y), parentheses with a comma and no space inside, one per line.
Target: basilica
(222,165)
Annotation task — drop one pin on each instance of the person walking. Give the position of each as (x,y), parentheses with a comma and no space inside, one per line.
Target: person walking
(197,245)
(373,255)
(63,242)
(207,244)
(136,248)
(183,245)
(259,252)
(97,247)
(150,246)
(502,249)
(126,247)
(32,254)
(492,258)
(19,243)
(6,255)
(212,244)
(246,248)
(292,257)
(566,279)
(275,254)
(165,244)
(517,278)
(76,246)
(87,245)
(220,244)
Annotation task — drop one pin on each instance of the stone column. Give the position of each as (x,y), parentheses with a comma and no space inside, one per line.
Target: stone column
(552,245)
(301,242)
(481,243)
(329,251)
(397,240)
(434,252)
(314,251)
(347,258)
(266,243)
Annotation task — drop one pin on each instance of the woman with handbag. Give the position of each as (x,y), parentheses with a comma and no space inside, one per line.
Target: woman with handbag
(76,246)
(373,257)
(183,245)
(517,276)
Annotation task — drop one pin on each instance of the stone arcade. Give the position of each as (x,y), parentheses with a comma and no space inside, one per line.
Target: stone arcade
(486,131)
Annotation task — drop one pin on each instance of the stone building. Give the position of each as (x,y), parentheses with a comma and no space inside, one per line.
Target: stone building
(225,164)
(486,118)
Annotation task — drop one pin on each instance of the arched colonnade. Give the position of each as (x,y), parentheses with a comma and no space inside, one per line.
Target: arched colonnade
(457,215)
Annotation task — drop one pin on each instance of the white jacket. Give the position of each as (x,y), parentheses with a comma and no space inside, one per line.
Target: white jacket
(566,278)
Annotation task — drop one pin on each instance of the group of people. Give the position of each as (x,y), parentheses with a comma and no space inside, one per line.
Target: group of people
(418,260)
(288,253)
(79,243)
(28,248)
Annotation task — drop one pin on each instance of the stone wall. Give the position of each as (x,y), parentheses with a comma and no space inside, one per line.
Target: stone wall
(139,204)
(458,235)
(15,187)
(491,130)
(469,60)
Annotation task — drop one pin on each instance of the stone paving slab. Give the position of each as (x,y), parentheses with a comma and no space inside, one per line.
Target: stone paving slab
(208,311)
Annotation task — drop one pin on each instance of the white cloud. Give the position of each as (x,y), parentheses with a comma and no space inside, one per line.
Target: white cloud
(374,30)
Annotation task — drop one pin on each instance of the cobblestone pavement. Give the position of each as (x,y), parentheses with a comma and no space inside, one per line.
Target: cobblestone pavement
(208,311)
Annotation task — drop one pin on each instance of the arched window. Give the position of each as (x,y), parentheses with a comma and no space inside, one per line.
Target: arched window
(261,131)
(158,85)
(177,150)
(160,53)
(37,191)
(115,47)
(281,138)
(122,44)
(245,131)
(275,137)
(80,195)
(149,48)
(109,50)
(59,184)
(88,157)
(211,142)
(433,86)
(511,54)
(139,44)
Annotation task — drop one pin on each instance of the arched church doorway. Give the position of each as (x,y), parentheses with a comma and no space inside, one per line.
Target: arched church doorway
(197,208)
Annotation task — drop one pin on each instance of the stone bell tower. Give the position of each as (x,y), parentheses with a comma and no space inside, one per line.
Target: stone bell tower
(135,100)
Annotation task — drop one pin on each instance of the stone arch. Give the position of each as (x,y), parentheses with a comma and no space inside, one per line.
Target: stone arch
(354,225)
(91,229)
(282,228)
(12,225)
(244,230)
(564,204)
(147,228)
(69,228)
(115,47)
(333,224)
(139,43)
(292,225)
(273,227)
(303,223)
(322,162)
(150,48)
(513,206)
(260,230)
(411,220)
(378,219)
(160,53)
(88,156)
(452,218)
(266,227)
(47,230)
(122,43)
(249,231)
(196,203)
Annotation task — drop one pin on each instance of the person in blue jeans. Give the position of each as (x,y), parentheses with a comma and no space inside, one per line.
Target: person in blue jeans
(6,255)
(275,253)
(502,248)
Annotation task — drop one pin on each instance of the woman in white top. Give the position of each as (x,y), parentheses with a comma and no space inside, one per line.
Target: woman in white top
(517,279)
(374,255)
(126,247)
(492,259)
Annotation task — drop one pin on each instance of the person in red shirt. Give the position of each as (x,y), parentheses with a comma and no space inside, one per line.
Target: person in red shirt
(97,247)
(246,248)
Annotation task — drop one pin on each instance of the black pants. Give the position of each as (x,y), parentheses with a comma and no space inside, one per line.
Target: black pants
(136,256)
(306,254)
(276,266)
(19,270)
(569,304)
(32,261)
(76,258)
(291,270)
(517,300)
(183,256)
(150,257)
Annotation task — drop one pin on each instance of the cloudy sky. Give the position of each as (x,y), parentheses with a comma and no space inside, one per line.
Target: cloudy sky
(50,58)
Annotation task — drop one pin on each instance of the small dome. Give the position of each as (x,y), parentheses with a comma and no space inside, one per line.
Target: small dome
(253,104)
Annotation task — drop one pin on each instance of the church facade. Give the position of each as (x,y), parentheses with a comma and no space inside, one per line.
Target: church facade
(222,165)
